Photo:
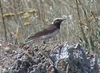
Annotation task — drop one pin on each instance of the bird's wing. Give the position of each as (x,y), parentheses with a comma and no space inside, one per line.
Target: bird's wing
(45,31)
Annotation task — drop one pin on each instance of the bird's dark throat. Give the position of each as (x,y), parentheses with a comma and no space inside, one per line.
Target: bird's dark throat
(57,25)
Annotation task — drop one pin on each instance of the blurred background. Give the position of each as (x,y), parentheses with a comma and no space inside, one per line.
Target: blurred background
(20,18)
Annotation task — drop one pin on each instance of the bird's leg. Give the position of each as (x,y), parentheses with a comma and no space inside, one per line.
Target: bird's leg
(44,42)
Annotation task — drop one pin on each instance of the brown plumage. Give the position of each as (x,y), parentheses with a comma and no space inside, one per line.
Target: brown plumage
(48,32)
(51,28)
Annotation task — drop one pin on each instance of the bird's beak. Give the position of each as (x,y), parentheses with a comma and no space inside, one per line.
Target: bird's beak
(63,19)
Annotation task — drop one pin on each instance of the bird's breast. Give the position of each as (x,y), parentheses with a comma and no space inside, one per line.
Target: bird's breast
(50,35)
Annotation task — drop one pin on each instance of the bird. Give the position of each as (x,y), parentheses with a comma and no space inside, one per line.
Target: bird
(48,32)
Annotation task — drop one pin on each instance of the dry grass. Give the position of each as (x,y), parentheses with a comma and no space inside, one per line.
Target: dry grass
(20,18)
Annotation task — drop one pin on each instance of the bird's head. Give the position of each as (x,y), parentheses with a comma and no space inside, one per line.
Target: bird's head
(57,21)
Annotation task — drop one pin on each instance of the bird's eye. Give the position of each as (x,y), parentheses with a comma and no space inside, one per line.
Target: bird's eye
(57,20)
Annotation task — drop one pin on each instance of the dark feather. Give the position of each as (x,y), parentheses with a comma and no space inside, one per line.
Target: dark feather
(51,28)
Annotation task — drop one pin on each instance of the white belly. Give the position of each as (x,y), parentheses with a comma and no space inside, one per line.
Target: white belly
(50,35)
